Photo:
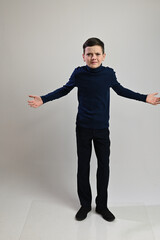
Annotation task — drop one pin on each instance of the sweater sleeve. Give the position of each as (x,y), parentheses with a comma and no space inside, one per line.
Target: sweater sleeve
(60,92)
(124,92)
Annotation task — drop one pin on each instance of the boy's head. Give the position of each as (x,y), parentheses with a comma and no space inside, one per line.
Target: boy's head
(93,52)
(93,42)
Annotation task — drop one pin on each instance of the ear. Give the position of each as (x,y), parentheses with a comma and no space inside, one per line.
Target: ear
(83,57)
(104,55)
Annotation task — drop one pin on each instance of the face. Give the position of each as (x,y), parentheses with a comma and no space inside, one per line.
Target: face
(93,56)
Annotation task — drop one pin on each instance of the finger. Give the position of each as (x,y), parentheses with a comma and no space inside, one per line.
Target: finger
(32,96)
(34,106)
(157,100)
(31,104)
(155,94)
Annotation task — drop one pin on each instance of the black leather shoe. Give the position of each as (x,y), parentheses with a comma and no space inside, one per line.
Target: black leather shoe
(106,214)
(82,213)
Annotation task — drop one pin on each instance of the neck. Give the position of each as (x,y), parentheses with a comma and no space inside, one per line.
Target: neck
(98,69)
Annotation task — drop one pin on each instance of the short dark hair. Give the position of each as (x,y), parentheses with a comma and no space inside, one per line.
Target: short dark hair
(92,42)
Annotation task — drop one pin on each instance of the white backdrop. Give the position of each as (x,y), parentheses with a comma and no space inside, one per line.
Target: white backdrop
(40,45)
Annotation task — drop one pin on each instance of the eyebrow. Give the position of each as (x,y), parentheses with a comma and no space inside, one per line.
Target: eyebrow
(92,53)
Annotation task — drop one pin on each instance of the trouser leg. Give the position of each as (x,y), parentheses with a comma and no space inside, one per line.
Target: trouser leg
(84,149)
(102,149)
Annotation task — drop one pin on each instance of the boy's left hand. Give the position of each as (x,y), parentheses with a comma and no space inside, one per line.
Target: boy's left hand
(152,99)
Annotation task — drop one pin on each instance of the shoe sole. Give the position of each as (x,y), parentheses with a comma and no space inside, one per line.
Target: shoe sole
(108,220)
(81,219)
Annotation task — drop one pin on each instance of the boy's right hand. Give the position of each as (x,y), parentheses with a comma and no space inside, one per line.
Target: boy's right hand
(36,102)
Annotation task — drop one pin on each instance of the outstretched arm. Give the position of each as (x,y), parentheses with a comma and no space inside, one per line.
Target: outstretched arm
(36,102)
(124,92)
(58,93)
(152,99)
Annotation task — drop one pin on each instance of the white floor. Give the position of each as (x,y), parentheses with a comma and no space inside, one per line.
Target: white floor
(30,214)
(55,221)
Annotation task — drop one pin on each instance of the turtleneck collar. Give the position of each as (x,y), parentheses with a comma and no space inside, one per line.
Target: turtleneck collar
(94,70)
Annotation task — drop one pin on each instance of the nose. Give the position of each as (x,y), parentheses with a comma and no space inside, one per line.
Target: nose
(93,56)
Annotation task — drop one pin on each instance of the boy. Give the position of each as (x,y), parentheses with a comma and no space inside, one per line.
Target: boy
(92,124)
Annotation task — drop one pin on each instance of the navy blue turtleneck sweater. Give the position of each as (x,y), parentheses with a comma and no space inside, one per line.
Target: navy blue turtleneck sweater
(93,94)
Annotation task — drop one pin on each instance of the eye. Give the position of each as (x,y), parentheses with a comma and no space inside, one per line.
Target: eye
(98,54)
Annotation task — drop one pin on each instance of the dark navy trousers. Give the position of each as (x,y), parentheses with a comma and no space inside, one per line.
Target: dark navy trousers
(101,142)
